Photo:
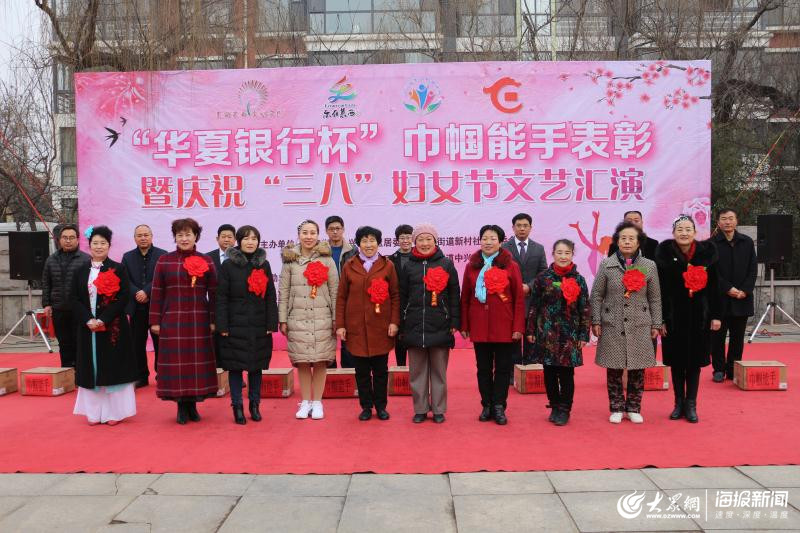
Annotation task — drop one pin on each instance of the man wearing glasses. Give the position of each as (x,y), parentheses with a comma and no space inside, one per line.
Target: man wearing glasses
(400,258)
(59,270)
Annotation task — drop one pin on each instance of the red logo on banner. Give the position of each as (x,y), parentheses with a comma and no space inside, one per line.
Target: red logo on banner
(500,97)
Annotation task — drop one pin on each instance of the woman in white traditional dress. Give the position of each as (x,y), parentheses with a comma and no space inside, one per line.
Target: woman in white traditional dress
(105,368)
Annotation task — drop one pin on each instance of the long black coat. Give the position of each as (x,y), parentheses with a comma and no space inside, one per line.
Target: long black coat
(245,316)
(737,268)
(422,325)
(116,363)
(688,319)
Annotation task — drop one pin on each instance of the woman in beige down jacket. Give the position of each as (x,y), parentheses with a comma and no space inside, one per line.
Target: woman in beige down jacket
(306,314)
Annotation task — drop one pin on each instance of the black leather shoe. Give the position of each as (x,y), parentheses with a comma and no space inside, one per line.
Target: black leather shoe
(191,411)
(438,419)
(562,417)
(553,412)
(238,415)
(718,377)
(500,415)
(486,414)
(366,414)
(691,411)
(677,412)
(383,414)
(418,419)
(255,414)
(183,416)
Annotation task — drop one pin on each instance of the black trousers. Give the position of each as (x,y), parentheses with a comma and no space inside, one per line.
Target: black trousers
(372,379)
(736,325)
(559,382)
(400,352)
(236,382)
(685,382)
(66,333)
(140,328)
(521,352)
(494,371)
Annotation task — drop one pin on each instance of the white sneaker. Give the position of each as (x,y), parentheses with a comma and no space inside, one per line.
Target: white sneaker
(636,418)
(316,410)
(615,418)
(305,408)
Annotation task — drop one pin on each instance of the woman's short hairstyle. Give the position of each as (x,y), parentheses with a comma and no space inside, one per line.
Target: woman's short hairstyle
(184,224)
(640,236)
(566,242)
(366,231)
(501,235)
(101,231)
(244,231)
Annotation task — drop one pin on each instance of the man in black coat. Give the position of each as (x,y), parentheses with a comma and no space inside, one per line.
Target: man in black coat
(57,297)
(226,237)
(400,259)
(737,272)
(531,258)
(140,264)
(649,247)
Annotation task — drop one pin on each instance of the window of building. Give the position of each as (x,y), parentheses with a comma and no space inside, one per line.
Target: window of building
(63,89)
(330,17)
(538,11)
(277,62)
(206,63)
(69,166)
(487,18)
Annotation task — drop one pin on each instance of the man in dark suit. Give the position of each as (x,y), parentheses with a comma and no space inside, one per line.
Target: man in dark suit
(649,247)
(738,268)
(531,258)
(140,264)
(226,237)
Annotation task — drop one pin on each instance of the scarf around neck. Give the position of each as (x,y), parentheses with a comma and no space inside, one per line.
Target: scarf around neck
(563,271)
(480,285)
(368,261)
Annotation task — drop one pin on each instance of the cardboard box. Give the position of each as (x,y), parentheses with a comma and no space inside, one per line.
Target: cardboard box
(529,379)
(223,386)
(277,383)
(8,381)
(399,385)
(760,375)
(340,383)
(655,378)
(47,381)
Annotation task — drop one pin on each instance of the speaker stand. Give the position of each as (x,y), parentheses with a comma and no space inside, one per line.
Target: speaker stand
(33,321)
(770,310)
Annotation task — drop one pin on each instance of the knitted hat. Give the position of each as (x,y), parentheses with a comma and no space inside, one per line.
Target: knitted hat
(425,227)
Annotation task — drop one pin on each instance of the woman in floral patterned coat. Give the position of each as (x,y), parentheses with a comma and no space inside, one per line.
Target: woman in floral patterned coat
(558,327)
(626,316)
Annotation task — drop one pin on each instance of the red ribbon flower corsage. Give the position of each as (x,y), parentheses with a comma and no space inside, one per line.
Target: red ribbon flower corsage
(257,282)
(196,266)
(496,281)
(634,280)
(435,281)
(695,279)
(570,290)
(316,274)
(107,283)
(378,292)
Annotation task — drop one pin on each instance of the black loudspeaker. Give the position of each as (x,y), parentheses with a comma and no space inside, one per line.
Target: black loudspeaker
(774,238)
(27,252)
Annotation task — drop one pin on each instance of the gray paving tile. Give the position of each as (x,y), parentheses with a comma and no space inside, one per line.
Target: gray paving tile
(27,484)
(508,513)
(395,484)
(124,528)
(425,502)
(716,515)
(103,484)
(794,497)
(598,511)
(64,513)
(600,480)
(177,514)
(202,484)
(300,485)
(500,483)
(699,478)
(270,512)
(9,504)
(774,476)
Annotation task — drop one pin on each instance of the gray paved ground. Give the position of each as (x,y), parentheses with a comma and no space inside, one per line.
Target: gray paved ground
(726,499)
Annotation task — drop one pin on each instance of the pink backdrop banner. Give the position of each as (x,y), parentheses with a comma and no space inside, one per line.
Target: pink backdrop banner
(575,144)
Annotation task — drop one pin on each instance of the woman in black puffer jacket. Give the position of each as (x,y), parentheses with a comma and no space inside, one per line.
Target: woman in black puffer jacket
(247,315)
(430,315)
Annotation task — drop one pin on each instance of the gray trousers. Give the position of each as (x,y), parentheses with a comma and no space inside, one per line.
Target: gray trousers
(427,374)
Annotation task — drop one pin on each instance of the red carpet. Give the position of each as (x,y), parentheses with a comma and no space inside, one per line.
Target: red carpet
(736,428)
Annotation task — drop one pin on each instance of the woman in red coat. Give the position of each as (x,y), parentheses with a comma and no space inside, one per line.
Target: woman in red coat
(182,314)
(493,316)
